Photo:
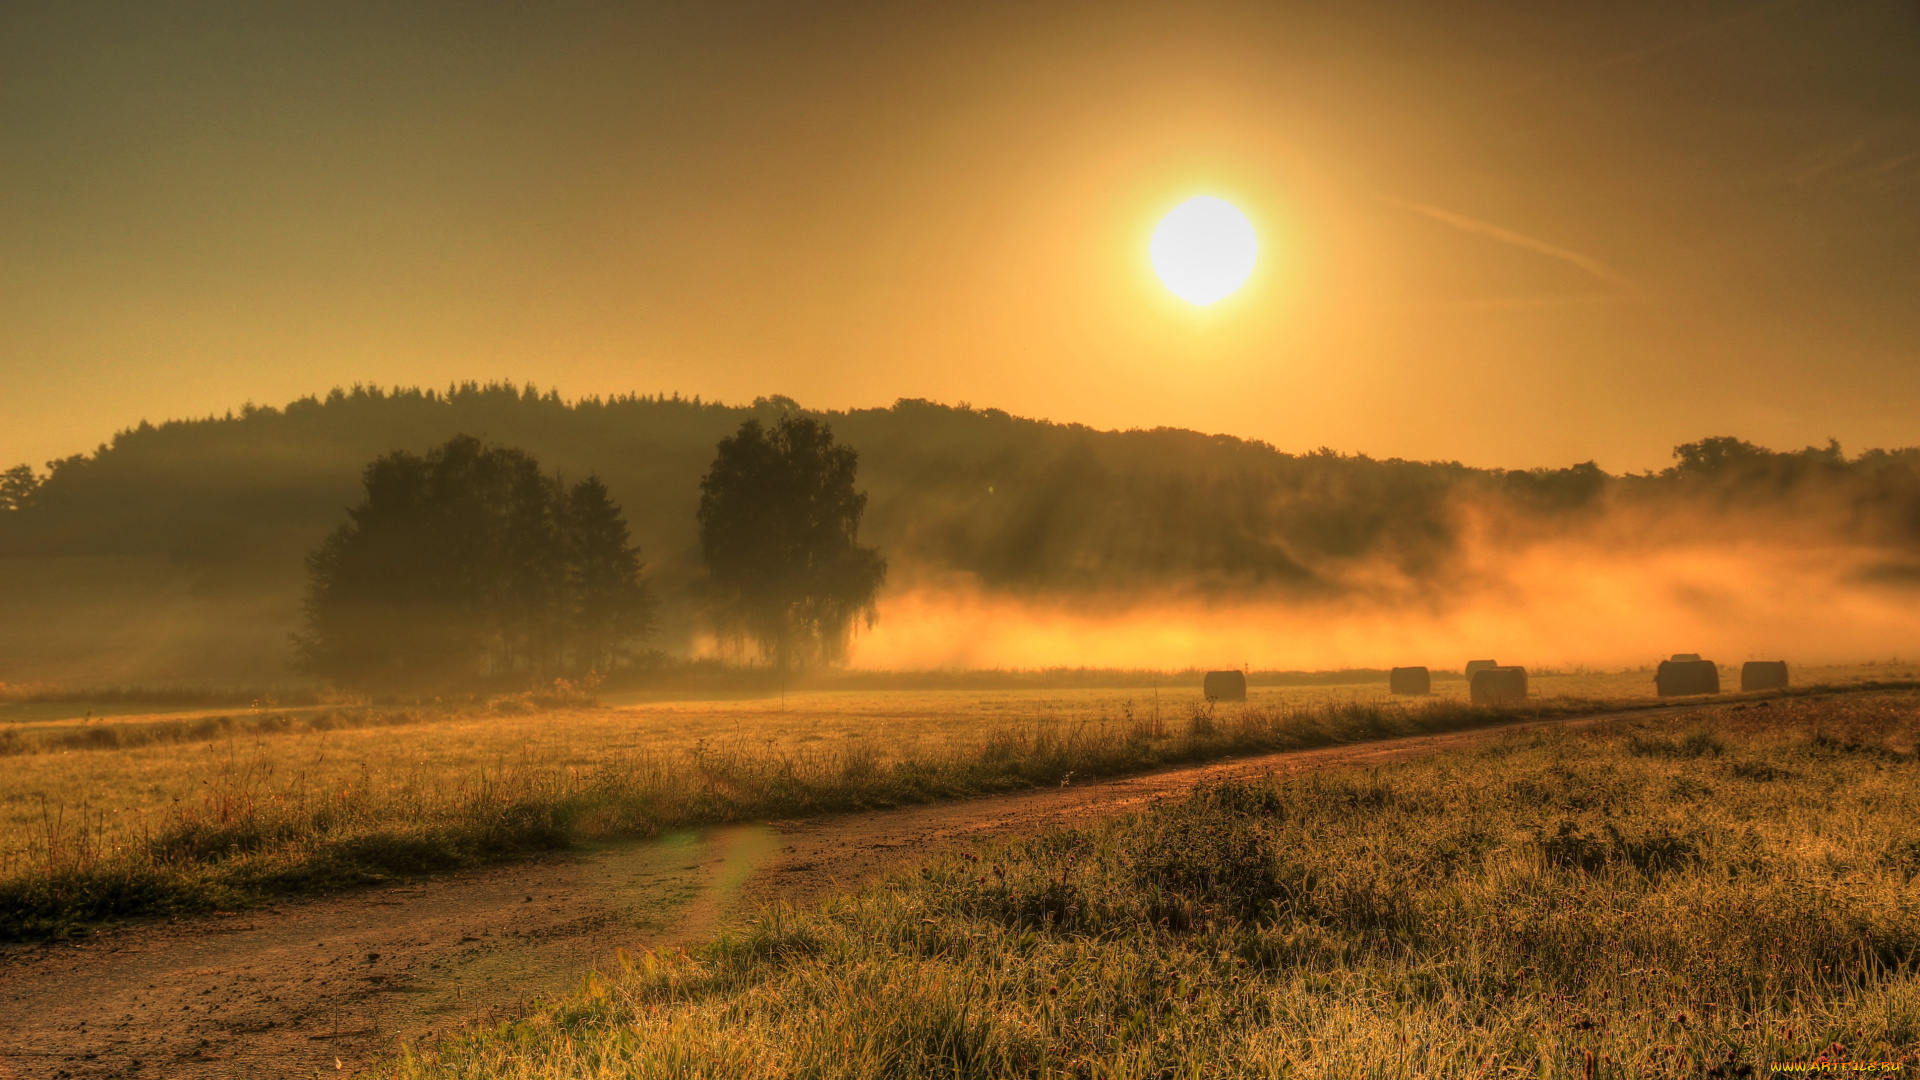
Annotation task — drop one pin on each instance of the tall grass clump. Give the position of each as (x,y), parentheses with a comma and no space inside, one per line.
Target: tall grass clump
(255,831)
(1559,904)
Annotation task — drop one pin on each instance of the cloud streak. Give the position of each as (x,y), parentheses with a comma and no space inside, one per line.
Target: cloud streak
(1505,235)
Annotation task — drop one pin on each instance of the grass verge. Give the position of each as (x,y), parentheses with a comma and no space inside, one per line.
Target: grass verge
(108,735)
(253,834)
(1732,895)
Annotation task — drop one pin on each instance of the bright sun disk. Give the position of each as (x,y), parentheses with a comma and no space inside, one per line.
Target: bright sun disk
(1204,250)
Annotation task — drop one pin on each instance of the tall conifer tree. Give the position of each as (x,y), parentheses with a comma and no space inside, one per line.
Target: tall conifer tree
(611,608)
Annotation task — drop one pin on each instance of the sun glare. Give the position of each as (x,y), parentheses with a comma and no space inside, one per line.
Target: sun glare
(1204,250)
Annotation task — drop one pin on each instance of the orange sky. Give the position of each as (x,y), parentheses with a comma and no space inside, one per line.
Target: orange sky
(1510,234)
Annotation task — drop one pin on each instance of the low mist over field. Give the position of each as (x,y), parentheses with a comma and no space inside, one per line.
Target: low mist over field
(989,540)
(177,552)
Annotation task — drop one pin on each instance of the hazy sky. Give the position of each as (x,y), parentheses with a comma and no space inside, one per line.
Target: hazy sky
(1511,234)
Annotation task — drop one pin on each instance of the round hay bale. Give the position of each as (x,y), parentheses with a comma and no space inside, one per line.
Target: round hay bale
(1681,678)
(1225,686)
(1410,680)
(1763,675)
(1498,686)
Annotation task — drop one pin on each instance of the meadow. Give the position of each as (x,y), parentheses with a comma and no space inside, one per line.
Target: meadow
(107,812)
(173,814)
(1729,892)
(117,769)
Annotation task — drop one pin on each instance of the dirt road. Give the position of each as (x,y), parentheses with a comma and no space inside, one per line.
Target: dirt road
(328,984)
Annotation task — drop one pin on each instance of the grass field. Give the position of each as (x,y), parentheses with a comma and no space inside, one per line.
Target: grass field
(107,820)
(118,763)
(122,771)
(189,808)
(1720,894)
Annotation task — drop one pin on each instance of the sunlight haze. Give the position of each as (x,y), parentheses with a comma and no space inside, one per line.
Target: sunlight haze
(1000,540)
(1503,234)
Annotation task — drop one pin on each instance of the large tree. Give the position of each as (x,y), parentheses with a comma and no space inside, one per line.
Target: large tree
(611,608)
(780,532)
(470,564)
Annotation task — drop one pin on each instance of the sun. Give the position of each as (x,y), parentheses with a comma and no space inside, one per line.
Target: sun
(1204,250)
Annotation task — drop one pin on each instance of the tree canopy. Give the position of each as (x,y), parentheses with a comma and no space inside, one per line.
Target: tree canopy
(217,514)
(780,530)
(17,487)
(469,564)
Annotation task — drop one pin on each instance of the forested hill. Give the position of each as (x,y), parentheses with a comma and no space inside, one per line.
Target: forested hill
(222,511)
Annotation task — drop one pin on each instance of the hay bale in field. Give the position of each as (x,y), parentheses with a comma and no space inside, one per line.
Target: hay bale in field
(1679,678)
(1410,680)
(1498,685)
(1225,686)
(1763,675)
(1475,667)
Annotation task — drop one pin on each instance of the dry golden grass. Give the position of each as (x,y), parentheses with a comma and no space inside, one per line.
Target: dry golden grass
(98,768)
(150,821)
(1716,894)
(186,810)
(392,748)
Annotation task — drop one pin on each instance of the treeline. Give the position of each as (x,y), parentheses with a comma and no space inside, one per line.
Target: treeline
(1010,503)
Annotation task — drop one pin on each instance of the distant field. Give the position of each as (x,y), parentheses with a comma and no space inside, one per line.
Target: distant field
(1723,893)
(108,819)
(104,772)
(223,788)
(97,764)
(97,767)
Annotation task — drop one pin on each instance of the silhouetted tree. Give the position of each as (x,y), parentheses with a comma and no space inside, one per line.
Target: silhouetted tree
(531,573)
(611,609)
(461,565)
(779,529)
(17,487)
